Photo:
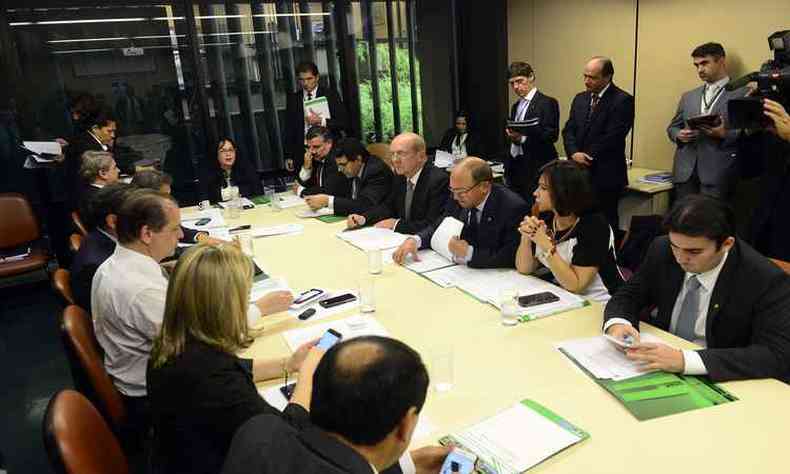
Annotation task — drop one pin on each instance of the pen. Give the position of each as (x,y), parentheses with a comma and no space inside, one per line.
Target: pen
(241,227)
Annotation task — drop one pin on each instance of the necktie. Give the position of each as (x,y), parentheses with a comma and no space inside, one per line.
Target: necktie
(409,198)
(354,187)
(522,112)
(593,103)
(319,170)
(470,230)
(689,311)
(309,96)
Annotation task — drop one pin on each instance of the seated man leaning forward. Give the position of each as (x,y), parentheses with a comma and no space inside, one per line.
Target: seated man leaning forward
(489,212)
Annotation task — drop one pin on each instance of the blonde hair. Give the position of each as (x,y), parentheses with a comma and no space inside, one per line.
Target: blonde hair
(207,300)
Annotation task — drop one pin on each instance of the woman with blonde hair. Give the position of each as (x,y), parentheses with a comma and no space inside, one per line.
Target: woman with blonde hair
(199,390)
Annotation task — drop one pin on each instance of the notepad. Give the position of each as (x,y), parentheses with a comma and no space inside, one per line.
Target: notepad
(372,238)
(518,438)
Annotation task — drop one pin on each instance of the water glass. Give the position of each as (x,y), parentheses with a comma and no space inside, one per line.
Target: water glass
(508,305)
(367,295)
(274,199)
(374,261)
(245,242)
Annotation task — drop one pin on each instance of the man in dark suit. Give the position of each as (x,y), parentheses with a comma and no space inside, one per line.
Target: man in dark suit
(98,169)
(419,192)
(298,122)
(366,399)
(100,136)
(100,215)
(319,173)
(529,151)
(712,289)
(595,132)
(491,214)
(371,180)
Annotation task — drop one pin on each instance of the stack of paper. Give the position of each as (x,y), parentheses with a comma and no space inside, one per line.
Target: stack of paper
(442,159)
(351,327)
(429,260)
(370,238)
(440,240)
(282,229)
(601,358)
(324,211)
(290,200)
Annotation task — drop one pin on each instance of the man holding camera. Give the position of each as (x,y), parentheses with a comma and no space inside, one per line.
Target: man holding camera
(706,157)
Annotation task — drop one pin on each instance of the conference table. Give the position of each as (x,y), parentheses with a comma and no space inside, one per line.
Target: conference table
(496,366)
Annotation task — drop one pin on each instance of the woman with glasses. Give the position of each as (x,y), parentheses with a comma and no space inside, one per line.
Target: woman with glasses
(228,173)
(199,390)
(567,237)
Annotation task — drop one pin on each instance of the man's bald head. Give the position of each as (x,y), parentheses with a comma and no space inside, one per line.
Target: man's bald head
(475,168)
(598,73)
(415,142)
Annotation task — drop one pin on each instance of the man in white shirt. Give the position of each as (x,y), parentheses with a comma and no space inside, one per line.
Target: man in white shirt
(706,155)
(711,289)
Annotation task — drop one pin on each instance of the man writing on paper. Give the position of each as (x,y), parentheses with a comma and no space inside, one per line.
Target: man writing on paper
(371,180)
(712,289)
(298,120)
(419,192)
(319,173)
(490,214)
(528,153)
(705,159)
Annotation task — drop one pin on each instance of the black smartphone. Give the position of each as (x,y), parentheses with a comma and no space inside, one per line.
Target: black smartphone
(203,221)
(288,390)
(536,299)
(337,300)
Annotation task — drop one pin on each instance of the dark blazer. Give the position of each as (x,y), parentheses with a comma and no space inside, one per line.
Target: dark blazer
(748,321)
(294,121)
(497,236)
(82,142)
(373,188)
(95,249)
(472,142)
(334,182)
(429,201)
(538,149)
(603,136)
(268,445)
(198,401)
(243,175)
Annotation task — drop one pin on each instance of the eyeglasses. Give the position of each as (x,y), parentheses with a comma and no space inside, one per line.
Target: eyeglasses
(459,191)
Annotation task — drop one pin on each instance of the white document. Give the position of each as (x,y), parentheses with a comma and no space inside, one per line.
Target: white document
(429,260)
(516,439)
(602,359)
(370,238)
(215,216)
(274,396)
(440,241)
(245,203)
(318,106)
(350,327)
(288,200)
(442,159)
(320,311)
(282,229)
(48,148)
(266,286)
(324,211)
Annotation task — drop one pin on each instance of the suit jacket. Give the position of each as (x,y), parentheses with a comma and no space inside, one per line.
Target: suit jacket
(95,249)
(497,236)
(334,182)
(472,142)
(294,121)
(268,445)
(538,149)
(82,143)
(431,194)
(603,136)
(716,160)
(373,187)
(242,174)
(85,193)
(198,400)
(748,323)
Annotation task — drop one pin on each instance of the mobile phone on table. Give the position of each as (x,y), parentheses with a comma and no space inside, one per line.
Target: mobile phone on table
(459,462)
(337,300)
(536,299)
(329,339)
(306,296)
(203,221)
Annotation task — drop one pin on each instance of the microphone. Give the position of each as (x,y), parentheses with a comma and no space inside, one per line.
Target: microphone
(742,81)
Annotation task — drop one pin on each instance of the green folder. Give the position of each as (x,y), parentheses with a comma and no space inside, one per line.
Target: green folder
(658,394)
(331,218)
(260,200)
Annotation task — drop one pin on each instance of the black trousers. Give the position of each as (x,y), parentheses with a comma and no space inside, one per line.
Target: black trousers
(608,200)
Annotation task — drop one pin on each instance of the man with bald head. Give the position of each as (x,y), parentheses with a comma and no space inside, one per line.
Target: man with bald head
(490,212)
(594,135)
(419,192)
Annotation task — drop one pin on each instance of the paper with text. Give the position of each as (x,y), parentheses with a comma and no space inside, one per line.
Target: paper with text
(440,241)
(370,238)
(602,359)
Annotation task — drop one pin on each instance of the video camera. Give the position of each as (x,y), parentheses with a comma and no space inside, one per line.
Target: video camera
(773,82)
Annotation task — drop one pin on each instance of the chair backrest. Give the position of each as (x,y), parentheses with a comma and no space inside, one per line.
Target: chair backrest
(75,242)
(75,217)
(381,150)
(782,264)
(61,282)
(78,440)
(87,365)
(18,224)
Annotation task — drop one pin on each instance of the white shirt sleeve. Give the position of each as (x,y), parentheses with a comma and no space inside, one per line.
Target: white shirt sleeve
(407,464)
(693,364)
(253,314)
(331,203)
(304,174)
(417,239)
(523,139)
(614,321)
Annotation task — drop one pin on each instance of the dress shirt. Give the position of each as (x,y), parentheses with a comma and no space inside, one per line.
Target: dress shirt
(521,112)
(354,190)
(711,94)
(458,145)
(413,180)
(692,361)
(102,145)
(305,174)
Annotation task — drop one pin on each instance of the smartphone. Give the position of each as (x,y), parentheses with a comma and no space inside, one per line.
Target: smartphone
(624,343)
(288,390)
(306,296)
(459,462)
(337,300)
(329,339)
(203,221)
(536,299)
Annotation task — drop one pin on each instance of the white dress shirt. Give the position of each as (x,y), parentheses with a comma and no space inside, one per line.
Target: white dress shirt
(354,190)
(521,112)
(692,361)
(711,94)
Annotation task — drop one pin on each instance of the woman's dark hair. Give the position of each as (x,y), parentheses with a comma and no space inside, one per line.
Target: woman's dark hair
(222,141)
(697,215)
(569,187)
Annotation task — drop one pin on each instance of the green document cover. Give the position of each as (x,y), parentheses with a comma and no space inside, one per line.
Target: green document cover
(658,394)
(331,219)
(260,200)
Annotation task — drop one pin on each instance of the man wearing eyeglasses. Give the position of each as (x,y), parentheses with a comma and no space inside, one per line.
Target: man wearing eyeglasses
(370,178)
(490,212)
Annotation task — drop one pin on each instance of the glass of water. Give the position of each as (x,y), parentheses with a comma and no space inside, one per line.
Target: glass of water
(274,199)
(367,295)
(374,261)
(508,305)
(442,369)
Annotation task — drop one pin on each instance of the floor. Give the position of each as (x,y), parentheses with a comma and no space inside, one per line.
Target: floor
(35,367)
